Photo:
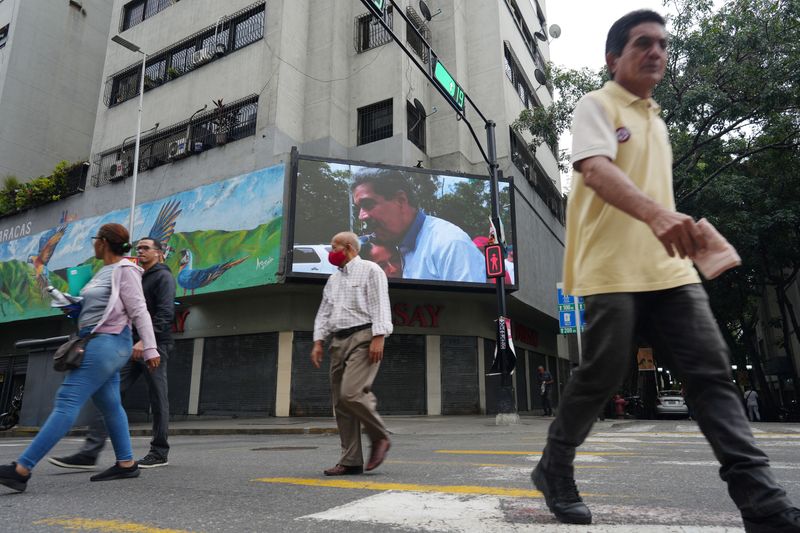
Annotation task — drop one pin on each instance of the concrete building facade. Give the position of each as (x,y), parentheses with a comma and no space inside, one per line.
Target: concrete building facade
(323,76)
(51,66)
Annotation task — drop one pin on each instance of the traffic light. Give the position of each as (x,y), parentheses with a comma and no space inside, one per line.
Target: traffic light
(446,81)
(495,267)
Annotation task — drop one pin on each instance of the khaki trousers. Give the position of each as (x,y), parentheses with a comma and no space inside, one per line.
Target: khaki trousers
(352,375)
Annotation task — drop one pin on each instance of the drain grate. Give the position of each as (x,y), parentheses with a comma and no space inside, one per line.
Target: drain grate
(284,448)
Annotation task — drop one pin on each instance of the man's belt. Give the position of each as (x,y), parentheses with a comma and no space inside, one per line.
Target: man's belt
(343,333)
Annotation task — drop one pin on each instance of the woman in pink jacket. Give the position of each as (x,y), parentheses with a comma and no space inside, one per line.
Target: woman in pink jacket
(113,299)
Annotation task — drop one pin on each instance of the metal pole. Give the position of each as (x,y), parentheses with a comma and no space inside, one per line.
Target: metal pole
(507,413)
(136,149)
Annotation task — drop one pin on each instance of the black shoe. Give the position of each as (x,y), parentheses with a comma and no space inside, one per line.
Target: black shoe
(344,470)
(152,460)
(783,522)
(117,472)
(78,461)
(561,496)
(13,480)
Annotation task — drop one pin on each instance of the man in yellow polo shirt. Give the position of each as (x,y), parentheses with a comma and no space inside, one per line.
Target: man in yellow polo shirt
(628,252)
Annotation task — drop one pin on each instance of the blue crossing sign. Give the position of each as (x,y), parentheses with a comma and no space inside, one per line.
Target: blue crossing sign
(567,319)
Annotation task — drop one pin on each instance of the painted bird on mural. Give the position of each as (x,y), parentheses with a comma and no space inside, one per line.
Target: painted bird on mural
(191,279)
(47,245)
(164,226)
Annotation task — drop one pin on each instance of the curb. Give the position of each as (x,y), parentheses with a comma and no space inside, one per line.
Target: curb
(32,431)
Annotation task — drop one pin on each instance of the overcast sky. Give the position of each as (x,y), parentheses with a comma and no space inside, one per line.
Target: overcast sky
(584,26)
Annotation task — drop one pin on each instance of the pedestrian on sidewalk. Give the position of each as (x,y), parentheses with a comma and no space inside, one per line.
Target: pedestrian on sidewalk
(112,300)
(627,252)
(545,385)
(751,400)
(619,406)
(158,285)
(355,316)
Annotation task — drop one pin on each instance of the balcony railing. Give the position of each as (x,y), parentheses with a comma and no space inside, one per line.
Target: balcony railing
(229,34)
(535,175)
(205,131)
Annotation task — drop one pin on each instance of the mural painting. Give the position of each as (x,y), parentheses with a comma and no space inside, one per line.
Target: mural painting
(218,237)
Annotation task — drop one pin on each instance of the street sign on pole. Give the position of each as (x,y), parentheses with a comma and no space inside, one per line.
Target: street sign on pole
(448,83)
(376,6)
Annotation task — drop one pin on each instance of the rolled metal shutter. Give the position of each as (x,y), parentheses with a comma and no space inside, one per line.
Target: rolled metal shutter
(400,385)
(179,376)
(522,383)
(239,374)
(459,364)
(311,388)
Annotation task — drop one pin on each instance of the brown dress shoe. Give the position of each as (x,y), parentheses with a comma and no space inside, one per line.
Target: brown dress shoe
(379,449)
(344,470)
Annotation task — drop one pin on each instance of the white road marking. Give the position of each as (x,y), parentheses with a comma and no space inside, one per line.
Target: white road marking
(466,514)
(637,428)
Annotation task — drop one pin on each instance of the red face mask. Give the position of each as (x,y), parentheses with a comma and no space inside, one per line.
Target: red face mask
(337,258)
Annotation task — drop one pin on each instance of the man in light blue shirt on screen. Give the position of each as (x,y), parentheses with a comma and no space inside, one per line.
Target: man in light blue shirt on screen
(431,248)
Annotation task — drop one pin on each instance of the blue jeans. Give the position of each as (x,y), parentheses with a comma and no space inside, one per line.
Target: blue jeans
(96,378)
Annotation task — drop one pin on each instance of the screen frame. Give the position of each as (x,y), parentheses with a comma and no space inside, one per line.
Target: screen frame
(289,228)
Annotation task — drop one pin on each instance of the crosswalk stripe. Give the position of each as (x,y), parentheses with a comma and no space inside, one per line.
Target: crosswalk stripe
(458,514)
(406,487)
(106,526)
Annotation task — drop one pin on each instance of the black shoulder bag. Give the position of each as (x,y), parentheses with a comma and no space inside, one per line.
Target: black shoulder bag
(69,355)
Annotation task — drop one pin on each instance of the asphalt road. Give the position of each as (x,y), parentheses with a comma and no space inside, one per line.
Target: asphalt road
(636,476)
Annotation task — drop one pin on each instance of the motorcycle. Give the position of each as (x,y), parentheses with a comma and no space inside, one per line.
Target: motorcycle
(10,418)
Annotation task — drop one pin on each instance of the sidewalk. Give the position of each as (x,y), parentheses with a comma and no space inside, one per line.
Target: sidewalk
(398,425)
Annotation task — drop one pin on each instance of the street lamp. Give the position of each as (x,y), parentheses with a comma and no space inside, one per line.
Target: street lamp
(133,48)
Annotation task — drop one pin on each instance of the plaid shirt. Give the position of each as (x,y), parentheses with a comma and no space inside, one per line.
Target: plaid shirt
(356,294)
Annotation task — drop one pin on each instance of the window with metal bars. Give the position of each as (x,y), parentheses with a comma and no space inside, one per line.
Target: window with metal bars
(530,40)
(229,34)
(521,85)
(138,11)
(375,122)
(534,174)
(205,131)
(416,126)
(370,33)
(414,41)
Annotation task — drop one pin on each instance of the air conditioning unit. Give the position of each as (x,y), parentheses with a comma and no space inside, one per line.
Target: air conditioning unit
(118,170)
(178,149)
(201,56)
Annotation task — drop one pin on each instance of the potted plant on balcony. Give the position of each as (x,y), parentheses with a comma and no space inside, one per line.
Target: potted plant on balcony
(173,73)
(224,120)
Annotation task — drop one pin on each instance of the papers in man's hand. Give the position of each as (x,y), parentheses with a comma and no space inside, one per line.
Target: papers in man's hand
(718,255)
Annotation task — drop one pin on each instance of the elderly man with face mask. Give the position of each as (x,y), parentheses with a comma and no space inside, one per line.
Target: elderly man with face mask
(355,315)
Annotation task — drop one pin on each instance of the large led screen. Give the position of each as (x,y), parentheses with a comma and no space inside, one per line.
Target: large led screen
(420,226)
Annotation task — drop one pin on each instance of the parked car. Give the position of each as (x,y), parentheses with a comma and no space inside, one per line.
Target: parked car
(671,403)
(312,259)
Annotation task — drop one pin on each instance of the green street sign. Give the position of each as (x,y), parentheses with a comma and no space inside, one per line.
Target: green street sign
(446,81)
(376,6)
(565,331)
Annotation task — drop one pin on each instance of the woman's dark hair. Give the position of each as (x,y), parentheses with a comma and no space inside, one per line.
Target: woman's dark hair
(116,235)
(620,31)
